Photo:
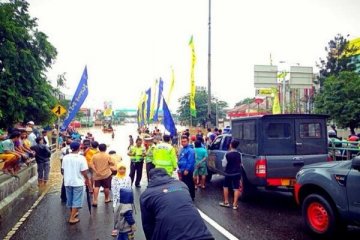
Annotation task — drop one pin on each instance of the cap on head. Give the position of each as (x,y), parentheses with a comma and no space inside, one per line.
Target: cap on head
(74,145)
(31,123)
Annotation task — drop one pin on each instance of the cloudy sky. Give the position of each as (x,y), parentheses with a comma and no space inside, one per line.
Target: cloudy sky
(127,44)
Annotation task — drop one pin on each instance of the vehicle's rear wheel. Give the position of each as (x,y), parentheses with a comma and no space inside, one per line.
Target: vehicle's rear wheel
(319,216)
(246,189)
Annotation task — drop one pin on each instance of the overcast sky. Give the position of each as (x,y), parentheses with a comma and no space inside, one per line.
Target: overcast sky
(128,44)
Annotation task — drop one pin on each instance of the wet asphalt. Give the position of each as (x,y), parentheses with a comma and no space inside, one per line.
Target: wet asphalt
(268,215)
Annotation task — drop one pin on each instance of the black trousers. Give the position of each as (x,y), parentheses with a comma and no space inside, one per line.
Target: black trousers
(136,167)
(189,181)
(149,166)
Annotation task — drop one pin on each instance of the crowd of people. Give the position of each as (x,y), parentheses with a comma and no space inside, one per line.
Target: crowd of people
(164,158)
(86,163)
(20,145)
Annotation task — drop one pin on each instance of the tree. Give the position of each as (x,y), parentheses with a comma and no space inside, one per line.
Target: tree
(244,101)
(336,60)
(340,99)
(25,54)
(201,108)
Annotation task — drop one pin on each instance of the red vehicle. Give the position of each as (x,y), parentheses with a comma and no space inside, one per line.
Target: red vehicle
(75,124)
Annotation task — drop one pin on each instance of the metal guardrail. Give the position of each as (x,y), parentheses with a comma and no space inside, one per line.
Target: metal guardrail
(343,150)
(32,160)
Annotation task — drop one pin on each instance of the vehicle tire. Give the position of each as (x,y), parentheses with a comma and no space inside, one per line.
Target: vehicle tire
(246,189)
(319,216)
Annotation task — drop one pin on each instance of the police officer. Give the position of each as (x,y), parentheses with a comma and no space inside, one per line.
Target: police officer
(149,142)
(137,154)
(165,156)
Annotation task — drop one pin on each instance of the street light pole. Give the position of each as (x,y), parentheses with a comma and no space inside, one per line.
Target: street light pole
(283,93)
(209,70)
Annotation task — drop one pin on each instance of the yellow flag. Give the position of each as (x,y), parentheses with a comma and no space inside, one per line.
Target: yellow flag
(140,115)
(192,79)
(172,83)
(276,103)
(152,109)
(355,46)
(282,75)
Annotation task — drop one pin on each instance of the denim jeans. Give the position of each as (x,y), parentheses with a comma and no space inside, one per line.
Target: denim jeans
(43,170)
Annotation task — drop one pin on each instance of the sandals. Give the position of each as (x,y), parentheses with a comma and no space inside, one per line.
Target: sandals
(114,233)
(224,204)
(108,201)
(74,222)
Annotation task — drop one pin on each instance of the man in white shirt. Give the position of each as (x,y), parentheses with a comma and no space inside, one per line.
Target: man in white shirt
(75,168)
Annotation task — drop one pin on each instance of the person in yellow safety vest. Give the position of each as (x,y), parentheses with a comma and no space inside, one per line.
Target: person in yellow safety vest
(164,156)
(149,141)
(137,154)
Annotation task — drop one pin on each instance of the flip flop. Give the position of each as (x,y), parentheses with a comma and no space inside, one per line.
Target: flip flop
(108,201)
(74,222)
(114,233)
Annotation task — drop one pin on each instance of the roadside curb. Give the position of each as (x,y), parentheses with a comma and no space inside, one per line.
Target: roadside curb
(27,214)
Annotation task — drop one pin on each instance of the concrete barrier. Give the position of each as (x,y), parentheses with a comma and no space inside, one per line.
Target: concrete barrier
(11,188)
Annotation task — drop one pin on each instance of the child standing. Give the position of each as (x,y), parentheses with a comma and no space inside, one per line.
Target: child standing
(119,181)
(89,153)
(124,220)
(200,170)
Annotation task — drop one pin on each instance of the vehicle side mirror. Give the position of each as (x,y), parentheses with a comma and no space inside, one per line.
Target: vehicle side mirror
(356,163)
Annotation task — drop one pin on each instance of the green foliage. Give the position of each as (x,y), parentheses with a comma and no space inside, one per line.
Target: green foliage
(244,101)
(336,61)
(25,54)
(339,98)
(201,97)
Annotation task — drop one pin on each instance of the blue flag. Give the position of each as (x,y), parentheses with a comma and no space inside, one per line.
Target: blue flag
(148,105)
(168,120)
(78,99)
(161,86)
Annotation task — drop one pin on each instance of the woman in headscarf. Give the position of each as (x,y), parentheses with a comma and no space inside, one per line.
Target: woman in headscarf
(120,180)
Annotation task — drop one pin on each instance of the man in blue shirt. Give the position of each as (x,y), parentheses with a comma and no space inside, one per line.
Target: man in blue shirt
(186,165)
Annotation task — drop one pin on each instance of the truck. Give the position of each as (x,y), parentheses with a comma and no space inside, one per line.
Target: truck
(273,149)
(329,196)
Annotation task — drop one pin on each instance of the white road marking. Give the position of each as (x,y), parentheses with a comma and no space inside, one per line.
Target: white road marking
(222,230)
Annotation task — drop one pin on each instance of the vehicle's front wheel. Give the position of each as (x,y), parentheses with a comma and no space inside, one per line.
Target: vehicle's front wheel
(319,216)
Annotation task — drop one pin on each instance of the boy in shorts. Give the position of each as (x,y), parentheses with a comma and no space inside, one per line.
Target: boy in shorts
(232,165)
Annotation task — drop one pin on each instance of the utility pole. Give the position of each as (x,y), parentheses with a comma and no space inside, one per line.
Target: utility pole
(209,70)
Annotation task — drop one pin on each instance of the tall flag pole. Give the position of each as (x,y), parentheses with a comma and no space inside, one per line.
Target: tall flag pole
(152,109)
(78,99)
(148,104)
(172,83)
(192,79)
(161,86)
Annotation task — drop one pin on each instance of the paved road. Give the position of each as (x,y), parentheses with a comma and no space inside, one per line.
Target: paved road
(270,215)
